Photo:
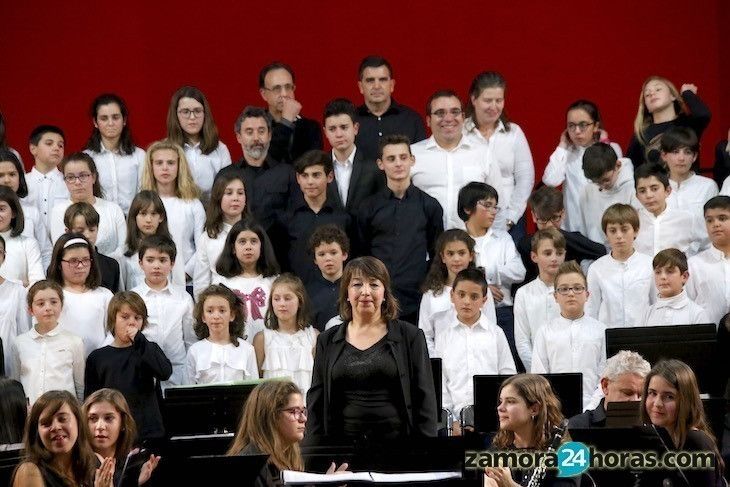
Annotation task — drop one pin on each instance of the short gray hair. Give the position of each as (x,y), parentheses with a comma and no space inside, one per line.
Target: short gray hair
(252,112)
(625,362)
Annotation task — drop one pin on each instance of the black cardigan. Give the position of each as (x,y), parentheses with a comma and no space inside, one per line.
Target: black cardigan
(408,345)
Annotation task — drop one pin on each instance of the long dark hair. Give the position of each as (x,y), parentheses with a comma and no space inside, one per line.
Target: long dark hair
(55,273)
(228,264)
(214,213)
(208,134)
(438,274)
(126,144)
(13,410)
(143,200)
(6,155)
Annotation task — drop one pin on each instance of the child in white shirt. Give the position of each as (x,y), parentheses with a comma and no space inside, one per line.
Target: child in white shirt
(673,306)
(23,256)
(535,301)
(469,344)
(620,283)
(221,355)
(169,307)
(47,357)
(573,342)
(46,186)
(14,319)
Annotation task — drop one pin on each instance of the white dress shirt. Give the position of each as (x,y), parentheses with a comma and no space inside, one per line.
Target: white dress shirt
(119,174)
(133,275)
(204,167)
(442,173)
(170,325)
(620,292)
(510,150)
(35,227)
(434,304)
(45,191)
(14,319)
(709,282)
(185,220)
(496,253)
(206,257)
(566,166)
(22,259)
(594,202)
(671,229)
(54,361)
(564,345)
(725,190)
(677,310)
(691,195)
(343,173)
(466,351)
(535,305)
(84,315)
(209,363)
(254,293)
(112,231)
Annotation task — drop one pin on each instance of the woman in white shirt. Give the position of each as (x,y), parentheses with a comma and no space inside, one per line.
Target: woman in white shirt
(118,160)
(190,125)
(82,180)
(166,171)
(22,255)
(507,145)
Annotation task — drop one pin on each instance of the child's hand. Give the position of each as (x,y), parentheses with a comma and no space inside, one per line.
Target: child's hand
(147,469)
(689,87)
(501,475)
(131,333)
(335,470)
(496,293)
(104,475)
(564,139)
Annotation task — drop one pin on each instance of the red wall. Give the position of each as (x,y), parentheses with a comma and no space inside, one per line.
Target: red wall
(57,56)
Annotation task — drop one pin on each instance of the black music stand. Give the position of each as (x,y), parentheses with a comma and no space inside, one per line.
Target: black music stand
(437,387)
(623,414)
(211,470)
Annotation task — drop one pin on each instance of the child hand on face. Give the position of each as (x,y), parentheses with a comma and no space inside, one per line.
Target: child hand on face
(132,331)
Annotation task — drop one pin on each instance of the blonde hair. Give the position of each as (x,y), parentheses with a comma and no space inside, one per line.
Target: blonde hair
(185,187)
(644,118)
(297,287)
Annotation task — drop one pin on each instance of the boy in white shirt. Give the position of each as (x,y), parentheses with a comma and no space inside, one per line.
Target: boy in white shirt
(619,283)
(169,307)
(469,343)
(612,181)
(535,302)
(690,191)
(709,271)
(573,342)
(495,251)
(46,186)
(673,307)
(663,227)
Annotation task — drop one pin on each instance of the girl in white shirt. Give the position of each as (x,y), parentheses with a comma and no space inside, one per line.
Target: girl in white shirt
(221,355)
(285,348)
(248,266)
(454,253)
(190,125)
(82,180)
(488,123)
(14,319)
(48,357)
(74,267)
(12,175)
(23,257)
(226,207)
(166,171)
(584,128)
(118,160)
(147,217)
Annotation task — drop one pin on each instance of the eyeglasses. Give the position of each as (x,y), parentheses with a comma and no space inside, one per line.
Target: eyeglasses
(187,112)
(78,262)
(441,113)
(555,219)
(281,88)
(83,177)
(572,127)
(565,290)
(488,206)
(296,413)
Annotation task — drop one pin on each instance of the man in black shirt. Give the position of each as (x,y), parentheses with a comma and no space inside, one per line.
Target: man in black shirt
(380,115)
(292,134)
(400,224)
(269,184)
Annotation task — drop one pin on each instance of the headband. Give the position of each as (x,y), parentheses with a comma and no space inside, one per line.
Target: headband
(75,241)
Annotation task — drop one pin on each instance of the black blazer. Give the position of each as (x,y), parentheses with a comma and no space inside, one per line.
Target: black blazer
(408,346)
(366,179)
(595,418)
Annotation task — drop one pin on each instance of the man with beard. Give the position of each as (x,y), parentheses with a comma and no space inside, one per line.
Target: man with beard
(269,183)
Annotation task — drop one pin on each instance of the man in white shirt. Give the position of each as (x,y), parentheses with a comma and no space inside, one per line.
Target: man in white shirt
(46,186)
(448,160)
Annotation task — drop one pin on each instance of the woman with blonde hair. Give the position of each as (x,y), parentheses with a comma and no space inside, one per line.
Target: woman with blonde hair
(166,171)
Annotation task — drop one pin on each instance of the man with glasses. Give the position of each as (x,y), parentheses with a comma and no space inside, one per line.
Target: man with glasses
(381,115)
(292,134)
(447,160)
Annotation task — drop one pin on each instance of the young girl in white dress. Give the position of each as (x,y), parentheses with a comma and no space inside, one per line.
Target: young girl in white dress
(248,266)
(221,355)
(14,319)
(285,348)
(22,255)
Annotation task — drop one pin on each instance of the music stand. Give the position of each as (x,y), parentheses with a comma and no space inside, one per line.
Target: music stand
(623,414)
(211,470)
(437,387)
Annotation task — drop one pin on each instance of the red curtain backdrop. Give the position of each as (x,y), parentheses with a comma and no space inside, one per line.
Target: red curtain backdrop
(57,56)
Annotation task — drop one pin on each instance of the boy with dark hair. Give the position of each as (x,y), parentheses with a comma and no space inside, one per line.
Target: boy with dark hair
(673,306)
(356,175)
(400,224)
(46,186)
(169,307)
(330,247)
